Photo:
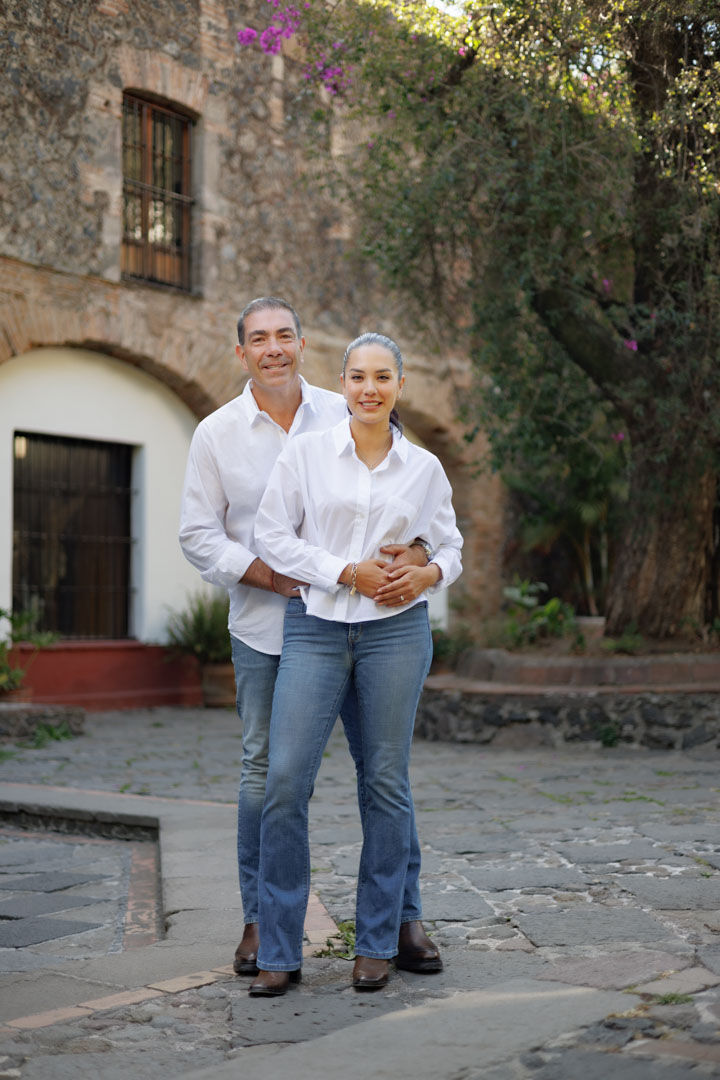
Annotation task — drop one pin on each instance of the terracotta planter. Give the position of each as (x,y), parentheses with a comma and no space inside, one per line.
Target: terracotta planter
(218,685)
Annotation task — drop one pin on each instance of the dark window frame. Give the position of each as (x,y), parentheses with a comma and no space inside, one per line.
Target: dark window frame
(157,199)
(72,534)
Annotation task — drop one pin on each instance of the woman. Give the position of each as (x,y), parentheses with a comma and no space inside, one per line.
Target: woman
(333,499)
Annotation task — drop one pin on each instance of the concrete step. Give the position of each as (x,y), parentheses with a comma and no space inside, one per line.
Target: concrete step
(680,670)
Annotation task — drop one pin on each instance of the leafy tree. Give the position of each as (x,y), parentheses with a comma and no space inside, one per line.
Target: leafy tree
(544,175)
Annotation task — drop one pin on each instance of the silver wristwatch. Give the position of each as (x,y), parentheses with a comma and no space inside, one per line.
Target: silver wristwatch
(419,542)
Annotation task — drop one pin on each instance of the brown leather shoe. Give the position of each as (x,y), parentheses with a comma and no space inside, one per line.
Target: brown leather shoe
(369,973)
(416,951)
(245,960)
(273,983)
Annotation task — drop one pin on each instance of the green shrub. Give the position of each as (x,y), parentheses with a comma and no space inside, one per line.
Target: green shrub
(201,629)
(530,621)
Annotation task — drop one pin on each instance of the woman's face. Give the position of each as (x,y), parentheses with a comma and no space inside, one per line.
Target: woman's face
(371,384)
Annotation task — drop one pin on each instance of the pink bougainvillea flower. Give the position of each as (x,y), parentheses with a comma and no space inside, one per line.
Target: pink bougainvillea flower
(618,436)
(270,40)
(247,36)
(630,343)
(607,284)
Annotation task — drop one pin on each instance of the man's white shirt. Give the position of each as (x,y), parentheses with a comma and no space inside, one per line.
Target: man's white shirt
(231,457)
(323,508)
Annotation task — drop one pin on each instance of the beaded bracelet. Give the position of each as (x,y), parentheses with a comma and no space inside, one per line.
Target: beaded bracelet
(353,579)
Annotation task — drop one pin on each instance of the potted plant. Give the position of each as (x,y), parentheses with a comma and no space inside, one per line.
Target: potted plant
(19,628)
(201,630)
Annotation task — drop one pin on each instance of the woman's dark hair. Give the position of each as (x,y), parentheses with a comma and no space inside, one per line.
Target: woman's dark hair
(392,347)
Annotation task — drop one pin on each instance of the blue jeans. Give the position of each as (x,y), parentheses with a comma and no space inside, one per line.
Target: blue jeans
(386,662)
(255,675)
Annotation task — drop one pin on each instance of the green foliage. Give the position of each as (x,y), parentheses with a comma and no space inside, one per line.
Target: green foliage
(341,944)
(20,627)
(672,999)
(201,629)
(609,734)
(629,642)
(545,179)
(529,621)
(448,645)
(47,733)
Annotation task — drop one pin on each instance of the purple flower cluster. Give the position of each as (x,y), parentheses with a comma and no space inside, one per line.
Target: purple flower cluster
(285,24)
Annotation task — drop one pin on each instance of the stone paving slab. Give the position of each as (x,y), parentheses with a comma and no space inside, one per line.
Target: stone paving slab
(527,876)
(615,970)
(29,906)
(592,926)
(49,882)
(16,934)
(437,1038)
(440,902)
(689,981)
(599,1066)
(636,851)
(709,956)
(680,893)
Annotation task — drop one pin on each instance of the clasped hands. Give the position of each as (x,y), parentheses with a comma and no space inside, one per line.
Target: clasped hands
(395,583)
(389,584)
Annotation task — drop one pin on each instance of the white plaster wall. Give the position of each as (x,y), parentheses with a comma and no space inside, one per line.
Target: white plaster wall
(83,394)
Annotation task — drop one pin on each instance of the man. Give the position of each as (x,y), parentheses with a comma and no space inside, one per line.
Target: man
(231,457)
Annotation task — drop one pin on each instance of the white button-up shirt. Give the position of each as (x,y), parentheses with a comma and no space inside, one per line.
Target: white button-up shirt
(231,457)
(323,508)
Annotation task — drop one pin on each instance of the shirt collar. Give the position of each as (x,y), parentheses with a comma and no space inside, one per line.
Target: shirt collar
(344,444)
(255,414)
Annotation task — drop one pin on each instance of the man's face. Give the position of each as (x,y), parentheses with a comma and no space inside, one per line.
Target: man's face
(272,352)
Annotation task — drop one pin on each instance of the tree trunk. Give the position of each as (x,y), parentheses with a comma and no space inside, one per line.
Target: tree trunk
(661,565)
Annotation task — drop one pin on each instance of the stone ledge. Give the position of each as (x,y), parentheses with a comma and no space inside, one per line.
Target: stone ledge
(21,719)
(661,670)
(460,711)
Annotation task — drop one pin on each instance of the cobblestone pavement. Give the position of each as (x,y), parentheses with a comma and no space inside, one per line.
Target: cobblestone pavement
(593,871)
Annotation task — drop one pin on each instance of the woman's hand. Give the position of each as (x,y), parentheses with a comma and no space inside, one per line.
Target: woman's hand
(370,575)
(406,583)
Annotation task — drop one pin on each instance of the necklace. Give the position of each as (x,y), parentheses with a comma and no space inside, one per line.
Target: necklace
(374,460)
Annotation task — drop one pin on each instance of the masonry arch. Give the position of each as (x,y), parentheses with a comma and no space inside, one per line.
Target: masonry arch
(80,394)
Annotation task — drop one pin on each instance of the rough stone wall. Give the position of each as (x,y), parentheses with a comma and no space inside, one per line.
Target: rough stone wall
(656,720)
(260,222)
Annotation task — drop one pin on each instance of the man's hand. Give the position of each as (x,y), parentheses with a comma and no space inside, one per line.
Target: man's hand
(285,586)
(259,576)
(405,555)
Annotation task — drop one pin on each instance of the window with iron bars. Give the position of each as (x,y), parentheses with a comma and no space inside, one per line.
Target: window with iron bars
(71,534)
(157,203)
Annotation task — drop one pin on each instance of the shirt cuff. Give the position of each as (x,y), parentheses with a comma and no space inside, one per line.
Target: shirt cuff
(444,561)
(329,571)
(230,568)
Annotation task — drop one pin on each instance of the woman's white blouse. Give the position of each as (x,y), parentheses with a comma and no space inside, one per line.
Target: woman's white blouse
(323,508)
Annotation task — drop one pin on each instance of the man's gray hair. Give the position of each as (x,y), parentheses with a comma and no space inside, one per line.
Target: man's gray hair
(263,302)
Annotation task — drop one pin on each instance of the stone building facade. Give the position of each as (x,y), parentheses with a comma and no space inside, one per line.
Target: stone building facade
(83,341)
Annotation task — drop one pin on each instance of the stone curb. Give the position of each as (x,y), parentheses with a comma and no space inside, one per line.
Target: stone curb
(191,834)
(462,710)
(20,720)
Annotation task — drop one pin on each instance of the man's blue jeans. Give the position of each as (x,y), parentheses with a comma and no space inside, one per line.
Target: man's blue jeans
(386,662)
(255,674)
